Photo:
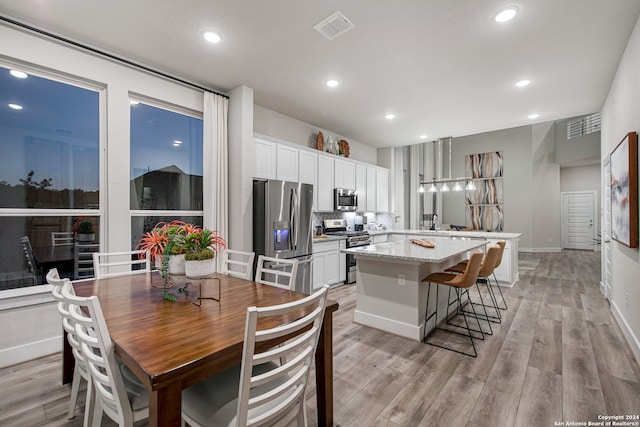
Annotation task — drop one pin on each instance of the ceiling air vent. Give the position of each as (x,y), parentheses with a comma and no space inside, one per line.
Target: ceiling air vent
(334,25)
(583,126)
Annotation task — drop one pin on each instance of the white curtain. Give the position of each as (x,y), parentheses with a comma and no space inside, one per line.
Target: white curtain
(216,166)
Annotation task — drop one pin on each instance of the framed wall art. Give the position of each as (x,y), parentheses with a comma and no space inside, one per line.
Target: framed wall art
(624,191)
(484,205)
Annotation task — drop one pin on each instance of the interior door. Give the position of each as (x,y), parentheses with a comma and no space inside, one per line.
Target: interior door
(577,220)
(606,229)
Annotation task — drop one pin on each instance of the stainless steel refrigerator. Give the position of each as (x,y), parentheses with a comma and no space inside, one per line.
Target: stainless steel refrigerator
(282,225)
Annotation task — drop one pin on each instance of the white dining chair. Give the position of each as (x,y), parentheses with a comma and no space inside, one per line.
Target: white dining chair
(278,272)
(61,238)
(80,371)
(112,264)
(118,393)
(259,391)
(238,263)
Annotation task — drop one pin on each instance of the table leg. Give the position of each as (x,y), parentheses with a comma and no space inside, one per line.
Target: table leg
(324,372)
(68,361)
(165,406)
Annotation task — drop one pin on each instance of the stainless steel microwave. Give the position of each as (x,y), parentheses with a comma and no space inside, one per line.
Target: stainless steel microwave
(345,200)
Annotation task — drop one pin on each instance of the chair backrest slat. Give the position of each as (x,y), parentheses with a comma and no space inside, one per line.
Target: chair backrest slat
(110,264)
(238,263)
(280,390)
(277,268)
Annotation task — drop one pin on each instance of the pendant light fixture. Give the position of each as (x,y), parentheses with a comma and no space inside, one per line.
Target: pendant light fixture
(469,185)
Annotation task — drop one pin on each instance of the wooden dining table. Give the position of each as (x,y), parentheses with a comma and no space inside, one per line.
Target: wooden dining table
(170,346)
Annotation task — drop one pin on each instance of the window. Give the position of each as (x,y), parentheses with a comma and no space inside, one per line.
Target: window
(49,170)
(166,167)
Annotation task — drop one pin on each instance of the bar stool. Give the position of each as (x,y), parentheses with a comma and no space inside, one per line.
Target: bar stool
(487,268)
(502,244)
(461,283)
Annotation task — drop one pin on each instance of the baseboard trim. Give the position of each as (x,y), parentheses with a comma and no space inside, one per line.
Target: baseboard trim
(633,341)
(540,250)
(34,350)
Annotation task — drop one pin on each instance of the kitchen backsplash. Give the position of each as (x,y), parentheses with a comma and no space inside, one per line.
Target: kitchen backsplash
(382,220)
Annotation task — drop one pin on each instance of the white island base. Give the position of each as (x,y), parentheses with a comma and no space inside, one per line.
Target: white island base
(389,292)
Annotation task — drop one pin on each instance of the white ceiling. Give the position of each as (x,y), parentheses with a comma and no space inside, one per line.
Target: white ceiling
(444,67)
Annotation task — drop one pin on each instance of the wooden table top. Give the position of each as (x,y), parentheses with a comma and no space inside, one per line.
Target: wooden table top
(163,341)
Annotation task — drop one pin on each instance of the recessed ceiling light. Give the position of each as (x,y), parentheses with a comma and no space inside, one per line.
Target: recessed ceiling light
(212,36)
(133,102)
(18,74)
(390,116)
(332,82)
(534,116)
(506,14)
(15,106)
(177,143)
(523,83)
(424,136)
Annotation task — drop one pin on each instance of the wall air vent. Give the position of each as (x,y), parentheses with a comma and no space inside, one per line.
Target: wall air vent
(334,25)
(583,126)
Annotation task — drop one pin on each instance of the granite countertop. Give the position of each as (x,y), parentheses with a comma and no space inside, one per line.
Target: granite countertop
(404,250)
(453,233)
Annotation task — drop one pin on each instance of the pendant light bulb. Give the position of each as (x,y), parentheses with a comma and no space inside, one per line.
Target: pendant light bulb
(421,189)
(470,186)
(433,188)
(444,188)
(457,187)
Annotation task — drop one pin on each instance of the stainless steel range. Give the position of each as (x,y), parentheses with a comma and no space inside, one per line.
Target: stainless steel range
(338,227)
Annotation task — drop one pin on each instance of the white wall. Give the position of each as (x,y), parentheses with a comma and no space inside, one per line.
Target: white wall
(277,125)
(620,115)
(516,146)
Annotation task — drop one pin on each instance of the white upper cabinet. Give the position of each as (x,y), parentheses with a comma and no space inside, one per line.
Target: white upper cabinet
(371,188)
(287,164)
(264,159)
(345,174)
(307,172)
(325,183)
(361,186)
(382,190)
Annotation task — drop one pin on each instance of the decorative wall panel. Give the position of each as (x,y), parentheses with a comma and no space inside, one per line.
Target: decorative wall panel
(484,206)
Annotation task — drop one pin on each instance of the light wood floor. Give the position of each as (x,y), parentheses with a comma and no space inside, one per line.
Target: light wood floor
(557,356)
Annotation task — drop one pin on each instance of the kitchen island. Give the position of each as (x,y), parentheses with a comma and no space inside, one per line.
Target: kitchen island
(389,295)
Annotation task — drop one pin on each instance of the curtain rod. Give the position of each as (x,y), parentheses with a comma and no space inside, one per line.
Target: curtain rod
(108,55)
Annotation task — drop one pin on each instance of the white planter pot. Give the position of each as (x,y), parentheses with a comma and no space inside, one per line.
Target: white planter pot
(200,268)
(176,264)
(86,237)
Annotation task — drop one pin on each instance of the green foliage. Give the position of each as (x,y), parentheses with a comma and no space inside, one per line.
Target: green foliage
(200,255)
(85,227)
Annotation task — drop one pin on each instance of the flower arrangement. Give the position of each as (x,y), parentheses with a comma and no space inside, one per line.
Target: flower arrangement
(82,225)
(177,238)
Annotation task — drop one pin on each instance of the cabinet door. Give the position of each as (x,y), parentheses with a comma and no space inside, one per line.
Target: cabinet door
(371,188)
(342,267)
(307,167)
(287,164)
(325,184)
(345,174)
(318,271)
(503,272)
(331,264)
(361,187)
(264,159)
(382,190)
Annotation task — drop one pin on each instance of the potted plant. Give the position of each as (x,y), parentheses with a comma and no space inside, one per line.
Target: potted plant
(166,244)
(201,248)
(83,229)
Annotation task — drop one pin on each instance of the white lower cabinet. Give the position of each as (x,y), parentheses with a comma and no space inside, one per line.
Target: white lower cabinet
(503,272)
(326,263)
(342,262)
